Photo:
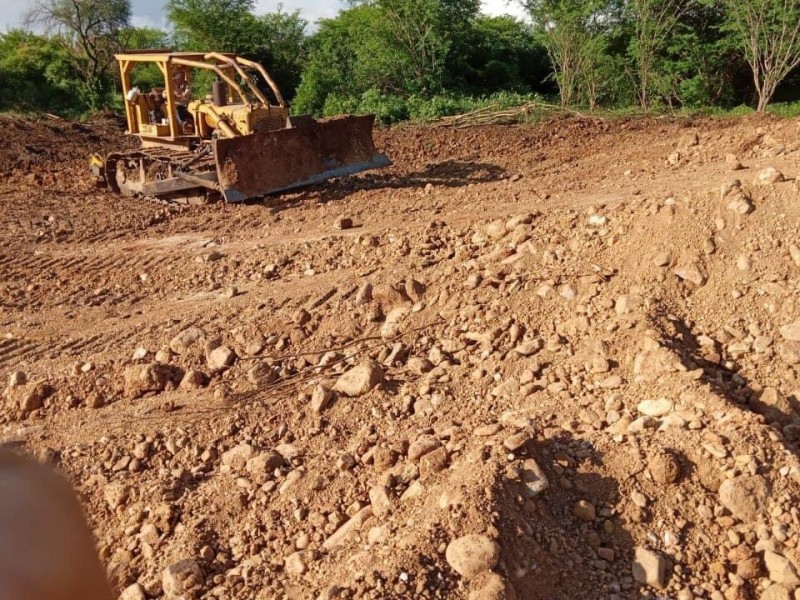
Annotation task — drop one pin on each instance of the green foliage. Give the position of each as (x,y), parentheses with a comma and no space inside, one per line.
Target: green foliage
(424,59)
(275,40)
(502,53)
(416,50)
(91,32)
(767,33)
(36,73)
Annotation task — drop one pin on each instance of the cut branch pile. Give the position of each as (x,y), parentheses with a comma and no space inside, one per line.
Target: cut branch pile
(494,115)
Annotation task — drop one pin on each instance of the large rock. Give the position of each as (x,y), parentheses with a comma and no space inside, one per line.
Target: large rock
(143,379)
(133,592)
(221,358)
(360,379)
(236,458)
(182,342)
(649,568)
(181,577)
(388,296)
(745,496)
(774,406)
(472,555)
(781,570)
(791,332)
(320,398)
(491,586)
(31,396)
(655,408)
(775,592)
(790,353)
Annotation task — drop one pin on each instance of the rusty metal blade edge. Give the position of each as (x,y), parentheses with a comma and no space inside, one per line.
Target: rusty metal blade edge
(379,160)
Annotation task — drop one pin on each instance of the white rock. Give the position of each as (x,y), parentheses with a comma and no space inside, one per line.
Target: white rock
(221,358)
(472,555)
(649,568)
(781,570)
(744,496)
(360,379)
(181,343)
(791,332)
(769,176)
(655,408)
(181,577)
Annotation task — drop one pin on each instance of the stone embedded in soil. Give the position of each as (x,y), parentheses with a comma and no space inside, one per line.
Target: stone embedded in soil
(343,533)
(364,294)
(733,162)
(133,592)
(472,555)
(320,398)
(17,378)
(182,343)
(236,458)
(774,406)
(744,496)
(492,586)
(775,592)
(142,379)
(585,511)
(380,501)
(262,466)
(649,568)
(295,565)
(791,332)
(790,352)
(533,477)
(343,222)
(220,358)
(655,408)
(664,467)
(193,379)
(692,272)
(769,176)
(360,379)
(422,446)
(419,365)
(794,252)
(181,577)
(780,570)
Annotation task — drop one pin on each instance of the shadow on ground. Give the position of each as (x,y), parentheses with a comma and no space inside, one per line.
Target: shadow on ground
(451,174)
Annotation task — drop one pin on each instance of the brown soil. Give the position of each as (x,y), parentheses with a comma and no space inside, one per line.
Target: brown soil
(583,329)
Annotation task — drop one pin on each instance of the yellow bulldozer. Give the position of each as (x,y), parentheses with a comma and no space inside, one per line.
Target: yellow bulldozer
(237,142)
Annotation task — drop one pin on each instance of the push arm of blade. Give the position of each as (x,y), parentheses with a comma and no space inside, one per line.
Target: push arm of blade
(199,181)
(248,80)
(208,67)
(206,150)
(265,75)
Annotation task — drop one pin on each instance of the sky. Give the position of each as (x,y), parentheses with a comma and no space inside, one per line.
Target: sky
(150,13)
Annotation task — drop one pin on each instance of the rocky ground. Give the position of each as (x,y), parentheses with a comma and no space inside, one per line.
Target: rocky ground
(552,361)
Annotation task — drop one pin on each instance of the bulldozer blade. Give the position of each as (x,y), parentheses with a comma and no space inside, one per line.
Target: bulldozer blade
(276,161)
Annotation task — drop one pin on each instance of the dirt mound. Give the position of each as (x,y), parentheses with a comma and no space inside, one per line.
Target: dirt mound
(557,361)
(47,146)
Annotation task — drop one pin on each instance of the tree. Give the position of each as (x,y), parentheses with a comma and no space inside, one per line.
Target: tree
(570,30)
(768,32)
(655,21)
(499,54)
(36,73)
(93,31)
(276,40)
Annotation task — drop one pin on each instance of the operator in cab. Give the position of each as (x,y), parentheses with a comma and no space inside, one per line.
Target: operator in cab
(182,92)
